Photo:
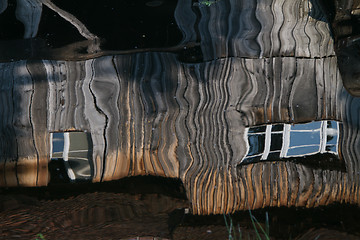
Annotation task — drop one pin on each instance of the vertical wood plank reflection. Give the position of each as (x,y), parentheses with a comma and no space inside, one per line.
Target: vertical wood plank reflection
(97,122)
(38,112)
(25,162)
(26,167)
(257,29)
(104,87)
(8,131)
(185,122)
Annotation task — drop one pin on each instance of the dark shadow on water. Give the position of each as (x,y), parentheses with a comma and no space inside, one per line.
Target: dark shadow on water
(122,24)
(324,162)
(284,223)
(131,207)
(324,11)
(130,185)
(155,207)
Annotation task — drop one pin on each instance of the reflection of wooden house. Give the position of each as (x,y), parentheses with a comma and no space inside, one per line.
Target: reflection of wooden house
(153,114)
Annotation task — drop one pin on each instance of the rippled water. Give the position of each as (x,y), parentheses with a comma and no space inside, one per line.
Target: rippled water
(179,119)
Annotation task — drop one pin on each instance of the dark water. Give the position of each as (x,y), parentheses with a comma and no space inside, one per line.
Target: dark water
(179,119)
(123,24)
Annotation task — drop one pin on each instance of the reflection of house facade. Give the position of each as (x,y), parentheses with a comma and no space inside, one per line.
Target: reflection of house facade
(152,114)
(271,142)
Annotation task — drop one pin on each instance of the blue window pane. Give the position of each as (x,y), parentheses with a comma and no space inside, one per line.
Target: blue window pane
(298,139)
(256,143)
(302,151)
(58,142)
(306,126)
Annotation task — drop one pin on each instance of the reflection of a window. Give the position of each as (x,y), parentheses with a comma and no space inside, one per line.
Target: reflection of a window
(74,149)
(272,142)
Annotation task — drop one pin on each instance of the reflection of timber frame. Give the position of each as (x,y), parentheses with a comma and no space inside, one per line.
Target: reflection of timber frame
(279,141)
(71,153)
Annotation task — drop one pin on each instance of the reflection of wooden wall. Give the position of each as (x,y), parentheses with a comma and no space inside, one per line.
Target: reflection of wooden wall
(253,29)
(223,96)
(24,144)
(128,105)
(150,114)
(144,110)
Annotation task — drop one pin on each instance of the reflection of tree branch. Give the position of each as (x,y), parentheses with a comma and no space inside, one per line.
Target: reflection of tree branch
(29,13)
(70,18)
(76,51)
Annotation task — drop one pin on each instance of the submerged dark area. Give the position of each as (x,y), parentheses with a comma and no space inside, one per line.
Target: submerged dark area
(149,207)
(188,119)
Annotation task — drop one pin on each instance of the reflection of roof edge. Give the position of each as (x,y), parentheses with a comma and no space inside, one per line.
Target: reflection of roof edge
(36,49)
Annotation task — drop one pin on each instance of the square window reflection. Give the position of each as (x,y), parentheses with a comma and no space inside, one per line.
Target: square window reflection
(72,155)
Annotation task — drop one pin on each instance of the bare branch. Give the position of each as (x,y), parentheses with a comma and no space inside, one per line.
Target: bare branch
(70,18)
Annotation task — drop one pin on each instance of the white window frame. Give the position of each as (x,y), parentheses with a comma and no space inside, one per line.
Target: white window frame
(286,140)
